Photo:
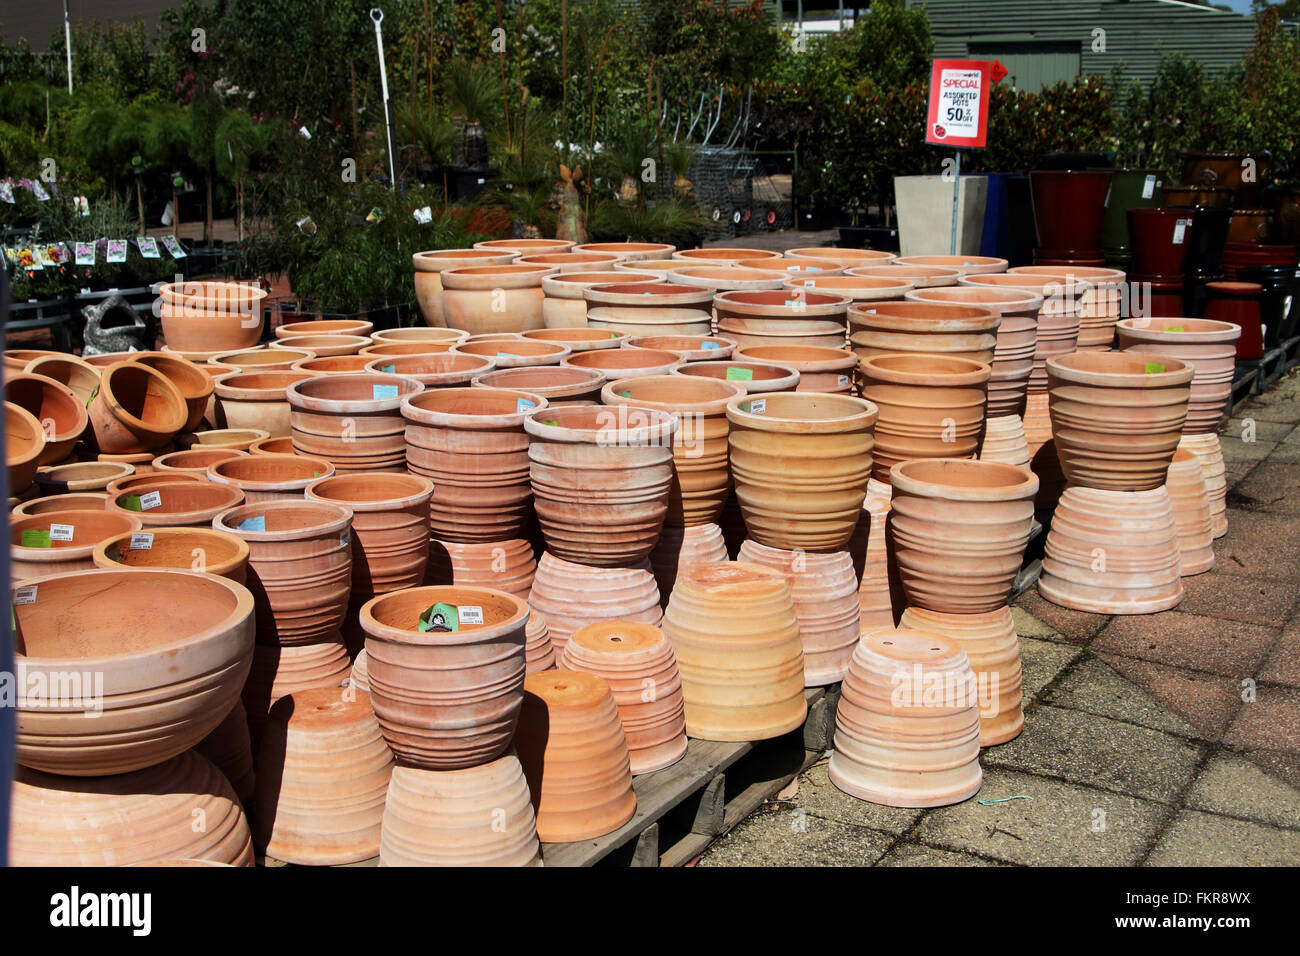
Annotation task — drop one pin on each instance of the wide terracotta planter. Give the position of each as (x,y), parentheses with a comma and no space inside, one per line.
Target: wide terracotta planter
(734,631)
(471,443)
(323,773)
(142,462)
(71,501)
(516,353)
(649,308)
(291,330)
(211,316)
(701,476)
(330,346)
(574,595)
(270,477)
(1100,306)
(280,671)
(299,566)
(601,479)
(527,247)
(563,385)
(429,267)
(504,298)
(79,376)
(921,277)
(24,442)
(820,369)
(1191,503)
(679,547)
(751,376)
(1069,207)
(638,664)
(1208,346)
(333,365)
(801,462)
(390,527)
(190,379)
(693,348)
(618,364)
(893,744)
(570,261)
(193,461)
(1209,452)
(132,818)
(182,549)
(966,265)
(446,700)
(959,331)
(432,370)
(794,268)
(100,361)
(784,317)
(168,651)
(352,421)
(572,747)
(151,480)
(857,288)
(175,504)
(539,652)
(577,339)
(844,257)
(378,350)
(277,358)
(416,333)
(824,589)
(258,400)
(81,476)
(504,565)
(60,542)
(958,531)
(478,816)
(629,251)
(731,278)
(272,446)
(930,407)
(723,255)
(137,409)
(661,269)
(1117,417)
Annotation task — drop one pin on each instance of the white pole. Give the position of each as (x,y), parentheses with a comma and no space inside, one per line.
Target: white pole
(378,16)
(67,42)
(956,199)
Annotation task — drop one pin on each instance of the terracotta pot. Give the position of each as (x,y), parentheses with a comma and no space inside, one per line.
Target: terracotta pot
(701,476)
(751,376)
(801,463)
(81,476)
(334,365)
(575,757)
(446,700)
(180,504)
(649,308)
(279,671)
(150,480)
(169,651)
(731,278)
(1237,303)
(820,369)
(329,346)
(857,288)
(140,817)
(324,772)
(72,501)
(1191,504)
(679,547)
(794,268)
(527,247)
(60,542)
(240,439)
(575,595)
(1037,422)
(959,331)
(325,327)
(1117,417)
(843,257)
(1069,206)
(275,359)
(577,339)
(1112,552)
(258,400)
(539,652)
(824,589)
(428,281)
(893,744)
(142,462)
(388,350)
(601,479)
(211,316)
(79,376)
(516,353)
(1004,441)
(17,360)
(504,565)
(966,265)
(724,255)
(638,664)
(786,317)
(574,262)
(390,527)
(182,549)
(736,637)
(627,363)
(100,361)
(272,446)
(418,334)
(958,531)
(440,370)
(630,251)
(478,816)
(930,407)
(359,676)
(191,380)
(875,604)
(921,277)
(505,298)
(692,348)
(1207,449)
(61,414)
(24,443)
(471,442)
(229,748)
(270,477)
(353,421)
(193,462)
(662,269)
(561,385)
(1208,346)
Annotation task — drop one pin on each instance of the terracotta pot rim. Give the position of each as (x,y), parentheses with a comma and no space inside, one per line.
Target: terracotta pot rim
(21,510)
(292,330)
(585,379)
(840,252)
(628,246)
(262,442)
(726,252)
(753,303)
(1013,297)
(854,413)
(981,480)
(333,520)
(606,337)
(386,632)
(534,348)
(1197,331)
(335,338)
(517,276)
(707,274)
(420,489)
(225,491)
(417,333)
(38,435)
(299,392)
(618,360)
(909,368)
(1048,288)
(831,359)
(946,317)
(101,558)
(51,472)
(831,283)
(515,244)
(697,342)
(179,407)
(376,367)
(414,410)
(556,258)
(289,356)
(423,261)
(257,433)
(1115,369)
(658,427)
(634,293)
(790,375)
(916,269)
(71,552)
(359,363)
(238,384)
(81,418)
(610,394)
(217,472)
(161,462)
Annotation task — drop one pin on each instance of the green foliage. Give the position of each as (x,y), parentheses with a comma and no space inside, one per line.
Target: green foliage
(668,221)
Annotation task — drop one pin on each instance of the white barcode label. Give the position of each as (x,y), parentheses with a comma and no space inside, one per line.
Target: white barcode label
(470,614)
(61,532)
(1149,187)
(152,500)
(345,537)
(842,381)
(25,594)
(1180,230)
(758,406)
(142,541)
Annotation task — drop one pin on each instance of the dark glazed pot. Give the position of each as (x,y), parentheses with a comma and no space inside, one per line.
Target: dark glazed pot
(1069,205)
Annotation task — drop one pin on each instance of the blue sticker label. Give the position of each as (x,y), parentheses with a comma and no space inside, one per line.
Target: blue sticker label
(712,345)
(508,355)
(253,524)
(384,391)
(390,369)
(524,405)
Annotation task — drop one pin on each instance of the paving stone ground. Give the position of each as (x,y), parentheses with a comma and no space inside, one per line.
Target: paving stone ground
(1169,739)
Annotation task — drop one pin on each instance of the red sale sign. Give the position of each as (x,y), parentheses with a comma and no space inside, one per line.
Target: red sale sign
(959,103)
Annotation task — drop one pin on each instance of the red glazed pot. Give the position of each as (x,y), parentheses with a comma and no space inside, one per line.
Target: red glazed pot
(1160,239)
(1069,206)
(1238,303)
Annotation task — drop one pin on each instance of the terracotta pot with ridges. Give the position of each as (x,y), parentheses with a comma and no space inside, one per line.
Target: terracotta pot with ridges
(893,744)
(299,566)
(1004,441)
(446,700)
(228,747)
(137,409)
(575,757)
(270,477)
(1100,306)
(801,461)
(478,816)
(751,376)
(359,676)
(564,307)
(257,400)
(24,442)
(174,504)
(505,565)
(820,369)
(1191,503)
(471,443)
(428,282)
(323,775)
(504,298)
(825,594)
(1207,449)
(72,501)
(734,631)
(58,542)
(539,652)
(1209,347)
(61,414)
(575,595)
(76,374)
(169,651)
(634,658)
(783,317)
(635,308)
(558,385)
(278,671)
(353,421)
(935,328)
(679,547)
(80,476)
(140,817)
(193,461)
(181,549)
(875,605)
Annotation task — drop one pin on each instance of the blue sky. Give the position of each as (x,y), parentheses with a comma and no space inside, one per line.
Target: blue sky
(1241,6)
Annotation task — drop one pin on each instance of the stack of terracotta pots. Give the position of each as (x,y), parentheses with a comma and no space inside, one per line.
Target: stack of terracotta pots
(649,308)
(783,317)
(1101,305)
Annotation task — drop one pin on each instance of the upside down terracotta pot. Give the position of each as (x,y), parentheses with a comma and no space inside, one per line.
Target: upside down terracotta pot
(477,816)
(257,400)
(820,369)
(353,421)
(907,727)
(137,409)
(428,282)
(229,747)
(504,298)
(601,479)
(1208,451)
(960,331)
(539,652)
(24,442)
(801,461)
(1208,346)
(183,549)
(56,542)
(575,756)
(679,547)
(323,773)
(299,566)
(174,504)
(270,477)
(61,414)
(751,376)
(637,662)
(575,595)
(471,443)
(1191,504)
(558,385)
(505,565)
(649,308)
(279,671)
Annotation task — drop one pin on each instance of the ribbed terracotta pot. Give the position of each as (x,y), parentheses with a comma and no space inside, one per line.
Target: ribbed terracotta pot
(751,376)
(1209,347)
(228,747)
(577,340)
(558,385)
(959,331)
(724,255)
(627,363)
(160,662)
(323,772)
(572,747)
(921,277)
(539,652)
(175,505)
(352,421)
(564,307)
(190,379)
(734,631)
(193,462)
(390,527)
(504,565)
(504,298)
(471,443)
(820,369)
(679,547)
(1207,449)
(1036,421)
(630,251)
(478,816)
(139,817)
(1117,417)
(692,348)
(278,358)
(516,353)
(446,700)
(930,407)
(61,414)
(428,282)
(24,442)
(1100,306)
(209,316)
(433,370)
(784,317)
(701,476)
(257,400)
(79,376)
(800,461)
(859,289)
(958,531)
(649,308)
(731,277)
(299,566)
(137,409)
(270,477)
(896,746)
(81,476)
(359,676)
(1191,503)
(1004,441)
(637,662)
(824,588)
(575,595)
(1112,552)
(601,479)
(278,671)
(183,549)
(324,327)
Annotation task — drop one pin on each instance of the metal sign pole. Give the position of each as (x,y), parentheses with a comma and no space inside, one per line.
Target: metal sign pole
(956,196)
(67,39)
(378,16)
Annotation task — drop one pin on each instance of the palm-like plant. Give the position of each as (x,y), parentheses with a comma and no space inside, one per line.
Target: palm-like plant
(237,142)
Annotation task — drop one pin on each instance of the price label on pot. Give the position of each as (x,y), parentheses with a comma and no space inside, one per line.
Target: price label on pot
(470,614)
(1180,230)
(524,405)
(757,407)
(345,537)
(735,374)
(61,532)
(1154,368)
(257,523)
(142,541)
(25,594)
(842,381)
(390,369)
(439,617)
(151,500)
(383,391)
(712,345)
(959,102)
(507,355)
(33,538)
(1149,187)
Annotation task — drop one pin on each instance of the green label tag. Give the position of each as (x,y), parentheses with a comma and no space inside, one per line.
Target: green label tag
(92,396)
(552,421)
(388,368)
(1154,368)
(35,539)
(1175,328)
(613,335)
(440,617)
(627,394)
(739,374)
(131,503)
